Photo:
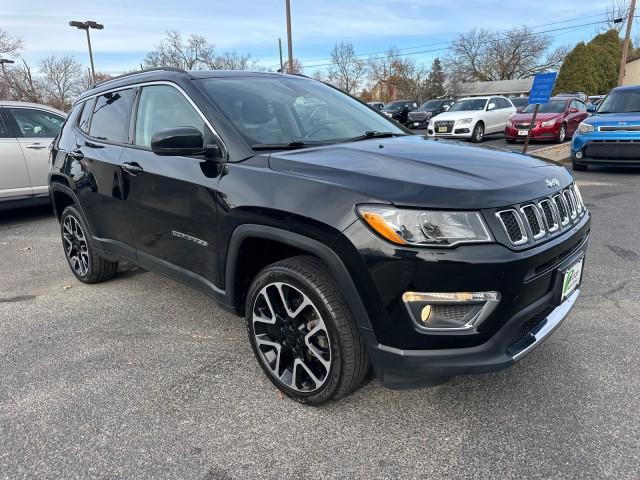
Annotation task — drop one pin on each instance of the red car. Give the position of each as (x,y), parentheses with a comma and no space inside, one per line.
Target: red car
(556,120)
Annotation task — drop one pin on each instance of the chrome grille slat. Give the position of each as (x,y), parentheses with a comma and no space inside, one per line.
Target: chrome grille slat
(543,218)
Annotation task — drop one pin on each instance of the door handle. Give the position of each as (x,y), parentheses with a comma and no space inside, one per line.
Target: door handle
(36,146)
(132,168)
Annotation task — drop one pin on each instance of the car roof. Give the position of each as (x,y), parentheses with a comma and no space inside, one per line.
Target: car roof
(478,98)
(10,103)
(625,89)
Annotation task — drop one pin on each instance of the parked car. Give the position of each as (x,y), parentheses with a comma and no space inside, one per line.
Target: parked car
(472,118)
(579,95)
(520,103)
(420,118)
(345,243)
(376,105)
(26,131)
(595,99)
(556,120)
(399,110)
(612,135)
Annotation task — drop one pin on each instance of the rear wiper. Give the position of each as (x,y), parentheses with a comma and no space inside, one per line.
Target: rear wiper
(287,146)
(374,134)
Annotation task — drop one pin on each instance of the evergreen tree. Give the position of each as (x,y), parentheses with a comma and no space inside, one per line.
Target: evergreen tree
(435,80)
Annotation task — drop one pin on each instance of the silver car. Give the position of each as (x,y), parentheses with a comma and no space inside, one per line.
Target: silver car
(26,132)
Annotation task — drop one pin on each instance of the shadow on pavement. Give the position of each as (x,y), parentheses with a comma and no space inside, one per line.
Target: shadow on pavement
(26,214)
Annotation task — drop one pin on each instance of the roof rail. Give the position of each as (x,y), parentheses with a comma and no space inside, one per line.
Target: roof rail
(117,77)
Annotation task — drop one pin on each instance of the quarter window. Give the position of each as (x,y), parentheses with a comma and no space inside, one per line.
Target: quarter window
(83,121)
(37,123)
(110,120)
(4,132)
(162,107)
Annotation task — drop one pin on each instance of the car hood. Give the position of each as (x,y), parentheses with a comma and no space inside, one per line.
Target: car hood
(414,171)
(540,117)
(598,119)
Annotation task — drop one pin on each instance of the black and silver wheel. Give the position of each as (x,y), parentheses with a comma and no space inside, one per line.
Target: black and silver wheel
(302,332)
(562,134)
(87,266)
(478,133)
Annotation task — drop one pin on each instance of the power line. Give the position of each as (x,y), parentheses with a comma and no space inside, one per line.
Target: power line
(496,35)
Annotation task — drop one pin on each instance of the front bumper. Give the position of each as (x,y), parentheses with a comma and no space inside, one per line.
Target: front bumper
(462,131)
(537,133)
(598,148)
(413,368)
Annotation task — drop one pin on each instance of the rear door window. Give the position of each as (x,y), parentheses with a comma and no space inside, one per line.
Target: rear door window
(111,113)
(85,116)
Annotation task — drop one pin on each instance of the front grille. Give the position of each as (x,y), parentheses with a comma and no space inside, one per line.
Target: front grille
(513,226)
(529,325)
(521,126)
(541,219)
(620,128)
(448,124)
(614,149)
(418,116)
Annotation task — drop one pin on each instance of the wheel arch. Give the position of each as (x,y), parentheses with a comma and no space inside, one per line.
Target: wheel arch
(299,244)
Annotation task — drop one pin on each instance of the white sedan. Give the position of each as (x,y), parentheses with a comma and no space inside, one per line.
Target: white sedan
(472,118)
(26,132)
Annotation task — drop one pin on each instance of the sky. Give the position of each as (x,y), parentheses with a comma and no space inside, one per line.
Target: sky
(134,27)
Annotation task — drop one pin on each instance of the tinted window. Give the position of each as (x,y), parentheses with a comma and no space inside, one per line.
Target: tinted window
(110,121)
(162,107)
(83,121)
(554,106)
(34,123)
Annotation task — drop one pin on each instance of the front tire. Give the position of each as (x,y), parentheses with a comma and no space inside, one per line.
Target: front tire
(303,333)
(478,133)
(85,263)
(562,134)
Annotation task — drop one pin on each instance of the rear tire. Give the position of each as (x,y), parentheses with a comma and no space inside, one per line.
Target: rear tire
(85,263)
(578,167)
(289,300)
(478,133)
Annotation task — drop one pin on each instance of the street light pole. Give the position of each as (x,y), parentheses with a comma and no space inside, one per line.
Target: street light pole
(625,45)
(86,25)
(289,43)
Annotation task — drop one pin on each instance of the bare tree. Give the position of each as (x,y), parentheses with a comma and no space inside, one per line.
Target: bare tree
(347,71)
(22,86)
(297,66)
(233,61)
(9,45)
(394,76)
(194,53)
(61,80)
(617,9)
(484,55)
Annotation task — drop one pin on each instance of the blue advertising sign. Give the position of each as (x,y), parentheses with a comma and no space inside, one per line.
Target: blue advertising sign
(542,87)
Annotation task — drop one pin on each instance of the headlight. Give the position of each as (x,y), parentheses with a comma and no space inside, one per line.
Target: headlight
(510,123)
(548,123)
(425,227)
(464,121)
(585,128)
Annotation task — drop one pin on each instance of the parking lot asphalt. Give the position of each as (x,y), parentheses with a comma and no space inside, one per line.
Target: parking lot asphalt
(141,377)
(497,140)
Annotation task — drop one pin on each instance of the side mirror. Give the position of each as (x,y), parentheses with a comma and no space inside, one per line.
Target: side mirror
(592,108)
(445,107)
(491,106)
(182,141)
(573,110)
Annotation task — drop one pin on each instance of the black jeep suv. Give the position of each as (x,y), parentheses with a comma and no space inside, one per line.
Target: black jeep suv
(345,242)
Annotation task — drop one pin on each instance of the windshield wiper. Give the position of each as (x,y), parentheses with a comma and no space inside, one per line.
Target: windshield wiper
(374,134)
(287,146)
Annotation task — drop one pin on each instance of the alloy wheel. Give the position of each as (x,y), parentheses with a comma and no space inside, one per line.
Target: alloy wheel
(563,134)
(291,337)
(75,245)
(479,133)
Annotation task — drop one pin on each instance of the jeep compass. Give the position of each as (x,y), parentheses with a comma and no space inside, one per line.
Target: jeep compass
(346,243)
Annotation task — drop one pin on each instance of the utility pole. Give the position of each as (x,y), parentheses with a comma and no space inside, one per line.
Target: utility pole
(625,45)
(289,43)
(280,49)
(5,83)
(86,25)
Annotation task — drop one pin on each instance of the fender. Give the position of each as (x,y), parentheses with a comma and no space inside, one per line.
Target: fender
(314,247)
(56,185)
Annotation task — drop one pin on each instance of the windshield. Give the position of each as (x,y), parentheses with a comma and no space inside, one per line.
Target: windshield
(621,102)
(396,105)
(554,106)
(431,105)
(280,110)
(466,105)
(520,101)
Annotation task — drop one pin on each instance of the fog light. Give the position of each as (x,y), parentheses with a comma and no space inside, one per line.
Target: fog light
(579,154)
(449,311)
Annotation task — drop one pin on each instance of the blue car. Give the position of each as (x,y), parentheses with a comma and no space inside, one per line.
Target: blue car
(612,135)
